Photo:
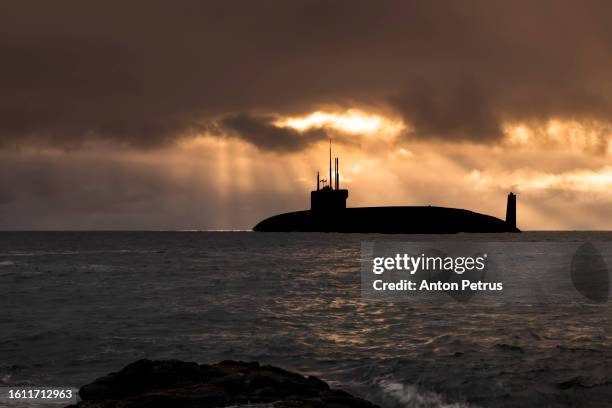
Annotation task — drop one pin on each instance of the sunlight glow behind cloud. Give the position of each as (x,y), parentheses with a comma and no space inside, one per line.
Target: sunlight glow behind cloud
(589,136)
(596,181)
(351,121)
(554,164)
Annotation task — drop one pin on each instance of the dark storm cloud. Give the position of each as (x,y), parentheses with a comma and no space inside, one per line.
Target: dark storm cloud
(262,132)
(144,73)
(459,113)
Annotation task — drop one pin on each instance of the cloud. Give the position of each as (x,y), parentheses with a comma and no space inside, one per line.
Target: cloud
(263,133)
(146,73)
(578,181)
(460,113)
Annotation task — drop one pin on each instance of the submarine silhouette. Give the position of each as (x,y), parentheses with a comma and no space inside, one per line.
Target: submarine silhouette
(328,213)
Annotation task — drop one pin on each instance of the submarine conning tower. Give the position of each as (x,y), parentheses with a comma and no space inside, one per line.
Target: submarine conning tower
(329,198)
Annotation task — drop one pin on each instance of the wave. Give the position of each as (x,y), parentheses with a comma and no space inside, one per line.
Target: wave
(412,396)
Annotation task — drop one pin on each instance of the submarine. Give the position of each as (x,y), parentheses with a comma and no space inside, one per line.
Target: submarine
(328,213)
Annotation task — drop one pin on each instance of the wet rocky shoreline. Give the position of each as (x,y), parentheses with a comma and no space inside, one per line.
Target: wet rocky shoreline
(173,383)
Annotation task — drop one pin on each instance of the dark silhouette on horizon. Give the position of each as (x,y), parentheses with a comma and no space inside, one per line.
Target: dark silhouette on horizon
(328,213)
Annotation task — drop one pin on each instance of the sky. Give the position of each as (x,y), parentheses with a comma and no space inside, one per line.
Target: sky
(154,115)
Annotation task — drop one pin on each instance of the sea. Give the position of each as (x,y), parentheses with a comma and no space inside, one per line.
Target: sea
(75,306)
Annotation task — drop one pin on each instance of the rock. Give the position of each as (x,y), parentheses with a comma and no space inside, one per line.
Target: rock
(157,384)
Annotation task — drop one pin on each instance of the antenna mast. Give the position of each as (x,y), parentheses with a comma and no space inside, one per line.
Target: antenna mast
(337,173)
(330,175)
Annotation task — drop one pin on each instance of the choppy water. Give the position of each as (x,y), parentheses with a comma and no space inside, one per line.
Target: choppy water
(74,306)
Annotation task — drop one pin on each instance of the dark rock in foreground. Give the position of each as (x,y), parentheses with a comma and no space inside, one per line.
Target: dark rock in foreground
(148,384)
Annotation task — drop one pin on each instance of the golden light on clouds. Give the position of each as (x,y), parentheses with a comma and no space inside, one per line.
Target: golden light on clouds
(582,180)
(554,166)
(591,136)
(353,121)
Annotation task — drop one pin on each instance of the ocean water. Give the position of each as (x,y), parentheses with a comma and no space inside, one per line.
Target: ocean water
(77,305)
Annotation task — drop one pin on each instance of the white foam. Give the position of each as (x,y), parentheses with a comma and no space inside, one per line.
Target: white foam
(411,396)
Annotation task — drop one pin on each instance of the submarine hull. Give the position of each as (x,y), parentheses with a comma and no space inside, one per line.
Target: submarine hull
(387,220)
